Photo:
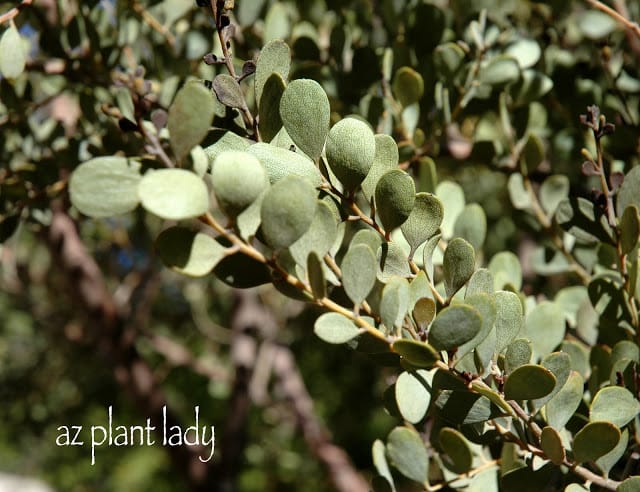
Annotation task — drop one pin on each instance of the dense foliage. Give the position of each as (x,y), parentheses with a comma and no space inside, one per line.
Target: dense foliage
(447,192)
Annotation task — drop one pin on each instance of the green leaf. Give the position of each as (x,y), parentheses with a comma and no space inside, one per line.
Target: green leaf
(452,197)
(190,118)
(173,194)
(385,159)
(582,219)
(304,109)
(228,91)
(464,407)
(408,86)
(358,272)
(554,189)
(563,405)
(423,312)
(480,282)
(188,252)
(316,276)
(457,450)
(454,326)
(486,306)
(509,318)
(448,58)
(506,270)
(277,22)
(615,405)
(395,196)
(238,179)
(319,237)
(392,261)
(413,395)
(427,254)
(288,209)
(225,140)
(394,302)
(417,354)
(105,186)
(518,194)
(350,150)
(631,484)
(499,71)
(518,354)
(367,236)
(423,221)
(559,364)
(335,328)
(545,327)
(625,349)
(529,382)
(629,229)
(12,55)
(248,221)
(458,264)
(407,453)
(282,162)
(532,153)
(471,225)
(526,51)
(275,57)
(596,25)
(551,444)
(380,460)
(270,121)
(595,440)
(531,87)
(608,461)
(242,272)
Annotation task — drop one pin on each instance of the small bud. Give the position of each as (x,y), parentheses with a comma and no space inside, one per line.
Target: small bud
(586,154)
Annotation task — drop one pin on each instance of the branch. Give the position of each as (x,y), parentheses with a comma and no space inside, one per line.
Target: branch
(154,23)
(632,26)
(11,14)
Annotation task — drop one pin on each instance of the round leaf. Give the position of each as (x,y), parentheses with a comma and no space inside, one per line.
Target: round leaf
(351,147)
(452,198)
(304,109)
(596,25)
(335,328)
(595,440)
(551,444)
(500,70)
(394,197)
(424,220)
(242,272)
(238,179)
(407,453)
(454,326)
(631,484)
(385,159)
(417,354)
(282,162)
(228,91)
(562,406)
(173,194)
(615,405)
(526,51)
(629,229)
(392,261)
(545,327)
(423,312)
(518,354)
(506,270)
(105,186)
(287,211)
(457,450)
(408,86)
(269,112)
(554,189)
(190,118)
(358,272)
(529,382)
(412,394)
(509,318)
(394,302)
(275,57)
(458,264)
(12,55)
(471,225)
(320,236)
(188,252)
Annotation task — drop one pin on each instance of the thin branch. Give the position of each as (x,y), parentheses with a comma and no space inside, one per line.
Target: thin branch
(632,26)
(154,23)
(11,14)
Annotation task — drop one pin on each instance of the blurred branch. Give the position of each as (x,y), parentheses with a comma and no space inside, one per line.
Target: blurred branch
(130,369)
(7,16)
(342,473)
(619,17)
(154,23)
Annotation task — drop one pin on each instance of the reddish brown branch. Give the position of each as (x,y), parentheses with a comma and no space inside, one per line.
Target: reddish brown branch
(10,14)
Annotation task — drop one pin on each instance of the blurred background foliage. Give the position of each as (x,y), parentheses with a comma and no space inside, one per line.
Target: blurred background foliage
(94,67)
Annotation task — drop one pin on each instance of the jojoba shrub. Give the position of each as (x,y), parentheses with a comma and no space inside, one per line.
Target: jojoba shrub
(448,188)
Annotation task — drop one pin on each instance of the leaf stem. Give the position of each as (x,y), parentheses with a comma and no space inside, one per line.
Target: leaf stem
(12,13)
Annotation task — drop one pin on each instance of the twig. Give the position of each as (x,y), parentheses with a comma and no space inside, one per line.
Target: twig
(632,26)
(12,13)
(154,23)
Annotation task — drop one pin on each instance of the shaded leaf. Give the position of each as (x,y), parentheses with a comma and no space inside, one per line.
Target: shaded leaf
(529,382)
(551,444)
(554,189)
(417,354)
(385,159)
(457,450)
(280,163)
(407,453)
(423,312)
(316,276)
(269,110)
(563,405)
(392,261)
(407,86)
(395,197)
(518,353)
(275,57)
(188,252)
(499,71)
(595,440)
(228,91)
(423,221)
(471,225)
(459,262)
(452,197)
(629,229)
(319,237)
(242,272)
(105,186)
(454,326)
